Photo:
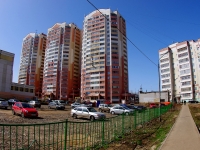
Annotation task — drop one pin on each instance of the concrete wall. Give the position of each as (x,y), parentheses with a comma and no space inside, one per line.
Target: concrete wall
(149,97)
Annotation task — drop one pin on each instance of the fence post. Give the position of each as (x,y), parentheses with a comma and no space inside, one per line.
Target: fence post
(122,124)
(149,114)
(65,135)
(103,138)
(135,119)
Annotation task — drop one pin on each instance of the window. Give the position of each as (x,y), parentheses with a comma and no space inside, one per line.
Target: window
(21,89)
(16,88)
(85,110)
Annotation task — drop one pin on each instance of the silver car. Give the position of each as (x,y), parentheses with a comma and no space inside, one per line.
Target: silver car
(87,112)
(120,110)
(56,105)
(104,107)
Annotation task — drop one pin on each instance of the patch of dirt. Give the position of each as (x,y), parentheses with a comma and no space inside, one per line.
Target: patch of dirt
(46,115)
(146,136)
(195,111)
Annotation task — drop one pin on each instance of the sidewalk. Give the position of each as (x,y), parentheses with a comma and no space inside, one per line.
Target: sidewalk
(184,134)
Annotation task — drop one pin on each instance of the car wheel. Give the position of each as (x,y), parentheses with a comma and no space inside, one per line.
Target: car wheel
(100,110)
(49,107)
(112,112)
(13,112)
(6,107)
(92,118)
(126,113)
(22,114)
(74,116)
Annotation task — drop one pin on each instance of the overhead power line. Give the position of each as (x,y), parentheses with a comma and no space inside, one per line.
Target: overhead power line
(180,21)
(134,24)
(147,34)
(125,36)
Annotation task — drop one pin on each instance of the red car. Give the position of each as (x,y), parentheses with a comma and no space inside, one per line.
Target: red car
(153,105)
(24,109)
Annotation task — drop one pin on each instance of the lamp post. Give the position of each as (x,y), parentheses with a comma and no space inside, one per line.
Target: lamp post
(159,83)
(173,93)
(73,93)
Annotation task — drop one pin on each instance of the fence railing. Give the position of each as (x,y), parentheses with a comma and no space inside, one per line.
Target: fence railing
(73,135)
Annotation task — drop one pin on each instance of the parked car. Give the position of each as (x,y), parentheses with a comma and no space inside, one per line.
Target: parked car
(73,105)
(61,102)
(87,112)
(56,105)
(193,101)
(104,107)
(162,105)
(137,108)
(24,109)
(120,110)
(3,103)
(87,103)
(153,105)
(12,101)
(35,103)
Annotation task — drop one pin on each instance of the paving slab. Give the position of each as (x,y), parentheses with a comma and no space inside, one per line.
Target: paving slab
(184,135)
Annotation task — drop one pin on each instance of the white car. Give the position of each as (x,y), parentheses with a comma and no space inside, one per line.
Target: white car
(87,112)
(120,110)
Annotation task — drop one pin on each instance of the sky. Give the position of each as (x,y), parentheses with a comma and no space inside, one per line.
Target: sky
(151,25)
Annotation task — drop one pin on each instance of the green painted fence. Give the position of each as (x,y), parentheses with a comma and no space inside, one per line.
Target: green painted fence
(69,135)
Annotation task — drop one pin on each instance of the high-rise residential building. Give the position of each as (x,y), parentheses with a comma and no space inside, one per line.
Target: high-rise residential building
(32,61)
(6,70)
(61,68)
(104,66)
(180,70)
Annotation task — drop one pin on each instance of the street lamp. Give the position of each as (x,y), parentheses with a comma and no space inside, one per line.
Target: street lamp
(172,91)
(159,82)
(73,93)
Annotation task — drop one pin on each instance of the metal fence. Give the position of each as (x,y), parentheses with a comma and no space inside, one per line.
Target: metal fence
(70,135)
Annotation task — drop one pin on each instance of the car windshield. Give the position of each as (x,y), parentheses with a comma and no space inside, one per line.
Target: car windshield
(126,107)
(62,101)
(25,105)
(91,110)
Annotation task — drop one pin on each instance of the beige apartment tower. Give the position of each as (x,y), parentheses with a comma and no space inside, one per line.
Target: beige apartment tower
(6,70)
(180,70)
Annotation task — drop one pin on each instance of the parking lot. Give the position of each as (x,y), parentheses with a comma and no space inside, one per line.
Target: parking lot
(45,115)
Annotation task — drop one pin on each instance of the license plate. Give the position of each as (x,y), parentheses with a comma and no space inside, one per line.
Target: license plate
(33,114)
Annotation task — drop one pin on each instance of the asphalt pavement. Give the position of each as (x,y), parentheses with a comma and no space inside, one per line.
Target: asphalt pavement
(184,134)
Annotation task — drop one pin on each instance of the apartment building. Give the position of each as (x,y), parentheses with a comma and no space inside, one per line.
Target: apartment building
(6,70)
(104,67)
(180,70)
(32,61)
(61,67)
